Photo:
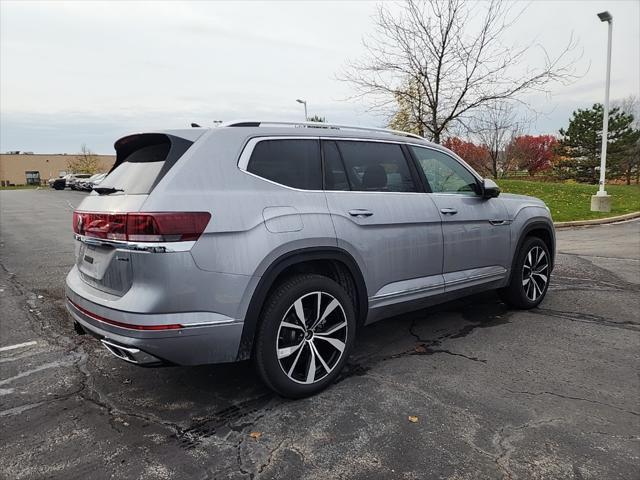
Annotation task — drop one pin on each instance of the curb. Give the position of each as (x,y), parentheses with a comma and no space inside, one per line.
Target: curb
(597,221)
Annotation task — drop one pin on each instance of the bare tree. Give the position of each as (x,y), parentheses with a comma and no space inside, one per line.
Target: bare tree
(495,126)
(84,162)
(630,104)
(430,60)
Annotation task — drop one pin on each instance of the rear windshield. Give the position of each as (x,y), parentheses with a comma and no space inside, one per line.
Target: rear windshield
(142,161)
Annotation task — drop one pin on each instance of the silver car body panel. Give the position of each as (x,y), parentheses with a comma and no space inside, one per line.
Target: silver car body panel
(407,253)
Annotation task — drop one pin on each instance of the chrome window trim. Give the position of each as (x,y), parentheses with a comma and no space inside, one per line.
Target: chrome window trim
(247,150)
(148,247)
(453,194)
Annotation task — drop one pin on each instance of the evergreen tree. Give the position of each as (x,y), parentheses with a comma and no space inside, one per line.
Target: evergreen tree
(580,143)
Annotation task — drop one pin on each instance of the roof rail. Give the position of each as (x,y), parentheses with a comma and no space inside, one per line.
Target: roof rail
(259,123)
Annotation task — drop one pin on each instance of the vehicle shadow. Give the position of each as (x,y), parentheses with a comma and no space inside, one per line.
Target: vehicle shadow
(213,400)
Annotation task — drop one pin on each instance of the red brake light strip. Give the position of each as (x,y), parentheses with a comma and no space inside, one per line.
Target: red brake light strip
(171,326)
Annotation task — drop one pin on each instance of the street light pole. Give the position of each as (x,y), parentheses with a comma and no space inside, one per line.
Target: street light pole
(304,102)
(601,202)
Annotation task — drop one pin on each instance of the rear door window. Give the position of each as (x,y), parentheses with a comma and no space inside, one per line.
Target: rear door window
(291,162)
(142,161)
(376,167)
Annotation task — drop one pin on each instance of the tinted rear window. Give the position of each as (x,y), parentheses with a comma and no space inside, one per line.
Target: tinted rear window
(142,161)
(295,163)
(376,167)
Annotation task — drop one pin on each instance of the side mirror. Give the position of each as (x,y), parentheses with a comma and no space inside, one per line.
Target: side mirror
(490,189)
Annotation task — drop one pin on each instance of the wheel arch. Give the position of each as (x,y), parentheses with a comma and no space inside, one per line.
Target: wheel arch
(542,229)
(310,259)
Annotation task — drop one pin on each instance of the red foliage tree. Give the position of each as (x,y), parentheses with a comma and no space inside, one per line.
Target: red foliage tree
(475,155)
(533,153)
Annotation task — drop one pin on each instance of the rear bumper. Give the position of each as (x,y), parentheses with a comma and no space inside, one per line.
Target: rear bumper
(195,338)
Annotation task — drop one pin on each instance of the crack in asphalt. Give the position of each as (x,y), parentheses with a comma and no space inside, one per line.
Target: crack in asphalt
(91,394)
(559,286)
(620,283)
(503,442)
(429,346)
(581,255)
(272,453)
(40,324)
(224,420)
(587,318)
(239,459)
(72,348)
(188,437)
(569,397)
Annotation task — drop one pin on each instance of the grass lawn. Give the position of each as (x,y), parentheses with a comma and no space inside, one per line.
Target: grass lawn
(573,201)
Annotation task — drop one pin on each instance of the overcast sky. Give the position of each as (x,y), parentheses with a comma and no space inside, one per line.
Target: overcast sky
(89,72)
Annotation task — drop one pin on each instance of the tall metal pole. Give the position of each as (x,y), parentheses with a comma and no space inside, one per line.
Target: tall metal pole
(605,117)
(304,102)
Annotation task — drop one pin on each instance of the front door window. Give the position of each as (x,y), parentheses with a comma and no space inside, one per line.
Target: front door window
(445,174)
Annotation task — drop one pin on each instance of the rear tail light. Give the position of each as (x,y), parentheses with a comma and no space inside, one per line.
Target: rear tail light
(142,227)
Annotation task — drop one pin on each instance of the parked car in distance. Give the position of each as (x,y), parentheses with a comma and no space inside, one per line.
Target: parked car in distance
(52,180)
(60,183)
(74,179)
(263,241)
(89,183)
(96,181)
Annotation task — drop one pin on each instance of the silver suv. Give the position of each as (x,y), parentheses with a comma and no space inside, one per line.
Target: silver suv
(278,241)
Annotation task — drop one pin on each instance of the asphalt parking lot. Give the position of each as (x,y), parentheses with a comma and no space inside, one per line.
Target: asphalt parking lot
(549,393)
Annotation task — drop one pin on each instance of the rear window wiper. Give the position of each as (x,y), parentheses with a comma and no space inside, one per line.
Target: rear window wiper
(106,190)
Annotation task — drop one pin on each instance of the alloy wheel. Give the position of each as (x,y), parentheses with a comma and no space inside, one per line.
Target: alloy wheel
(312,337)
(535,273)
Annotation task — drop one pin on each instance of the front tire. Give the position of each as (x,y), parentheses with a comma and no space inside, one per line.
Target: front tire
(306,335)
(530,277)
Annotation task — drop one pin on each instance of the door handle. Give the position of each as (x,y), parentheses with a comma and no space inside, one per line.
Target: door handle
(360,213)
(448,211)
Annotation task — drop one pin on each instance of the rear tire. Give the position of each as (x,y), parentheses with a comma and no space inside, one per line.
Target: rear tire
(306,335)
(530,276)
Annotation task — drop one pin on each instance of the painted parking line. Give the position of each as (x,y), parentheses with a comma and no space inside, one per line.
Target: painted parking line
(17,345)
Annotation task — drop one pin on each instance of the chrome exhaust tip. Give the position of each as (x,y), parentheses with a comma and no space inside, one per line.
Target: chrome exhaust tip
(130,354)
